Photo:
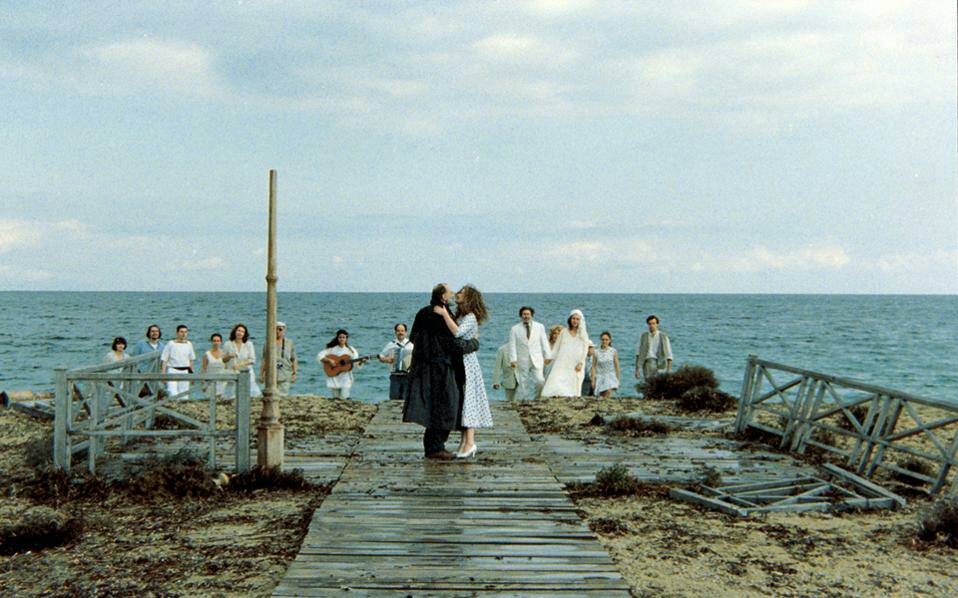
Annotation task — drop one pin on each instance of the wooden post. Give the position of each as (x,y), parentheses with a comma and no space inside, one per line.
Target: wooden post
(745,399)
(211,391)
(269,433)
(242,421)
(94,423)
(61,415)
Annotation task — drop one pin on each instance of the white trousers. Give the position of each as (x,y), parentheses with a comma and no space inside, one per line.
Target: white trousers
(530,380)
(340,393)
(173,388)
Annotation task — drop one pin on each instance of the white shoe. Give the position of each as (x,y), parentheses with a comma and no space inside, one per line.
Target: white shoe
(470,453)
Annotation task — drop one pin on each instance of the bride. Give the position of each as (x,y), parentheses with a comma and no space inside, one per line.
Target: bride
(568,363)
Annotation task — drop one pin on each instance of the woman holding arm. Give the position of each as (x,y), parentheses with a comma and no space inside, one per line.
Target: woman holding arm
(470,313)
(239,353)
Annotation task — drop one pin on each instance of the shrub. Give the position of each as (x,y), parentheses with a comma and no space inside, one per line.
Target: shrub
(273,478)
(940,523)
(608,525)
(39,528)
(705,398)
(674,384)
(38,452)
(639,427)
(616,480)
(181,475)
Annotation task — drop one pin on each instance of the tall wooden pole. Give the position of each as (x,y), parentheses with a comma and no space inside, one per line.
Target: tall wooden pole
(270,430)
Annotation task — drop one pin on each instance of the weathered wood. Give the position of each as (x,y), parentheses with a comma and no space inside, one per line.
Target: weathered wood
(863,484)
(710,502)
(61,440)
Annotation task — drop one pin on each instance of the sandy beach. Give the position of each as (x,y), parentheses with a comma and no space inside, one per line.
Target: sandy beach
(242,542)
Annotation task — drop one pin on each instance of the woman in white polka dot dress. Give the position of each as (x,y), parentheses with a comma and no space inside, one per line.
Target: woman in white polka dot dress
(470,313)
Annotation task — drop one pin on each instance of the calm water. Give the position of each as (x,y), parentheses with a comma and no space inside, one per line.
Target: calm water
(904,342)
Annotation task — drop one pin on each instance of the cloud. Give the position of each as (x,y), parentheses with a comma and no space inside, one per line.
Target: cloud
(523,49)
(809,258)
(557,8)
(208,264)
(911,261)
(17,234)
(161,65)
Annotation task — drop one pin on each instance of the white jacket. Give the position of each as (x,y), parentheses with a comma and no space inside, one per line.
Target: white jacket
(535,348)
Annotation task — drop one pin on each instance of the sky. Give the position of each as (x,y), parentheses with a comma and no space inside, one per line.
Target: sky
(727,146)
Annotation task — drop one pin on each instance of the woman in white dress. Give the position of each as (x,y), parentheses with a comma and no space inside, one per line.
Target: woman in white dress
(238,353)
(213,361)
(341,383)
(605,367)
(568,359)
(470,313)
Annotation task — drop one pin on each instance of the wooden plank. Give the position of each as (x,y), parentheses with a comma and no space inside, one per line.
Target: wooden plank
(712,503)
(864,485)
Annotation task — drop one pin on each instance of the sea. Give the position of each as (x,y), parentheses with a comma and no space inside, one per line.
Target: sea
(904,342)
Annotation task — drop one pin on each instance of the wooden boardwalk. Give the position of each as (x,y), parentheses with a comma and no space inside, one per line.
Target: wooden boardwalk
(499,525)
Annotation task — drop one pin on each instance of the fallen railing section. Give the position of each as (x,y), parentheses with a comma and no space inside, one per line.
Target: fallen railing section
(868,427)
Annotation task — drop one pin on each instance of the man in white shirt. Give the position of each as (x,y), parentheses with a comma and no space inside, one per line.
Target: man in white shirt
(398,354)
(529,351)
(655,351)
(177,358)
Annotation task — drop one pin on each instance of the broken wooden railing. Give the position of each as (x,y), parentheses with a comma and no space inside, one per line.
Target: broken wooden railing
(866,426)
(116,400)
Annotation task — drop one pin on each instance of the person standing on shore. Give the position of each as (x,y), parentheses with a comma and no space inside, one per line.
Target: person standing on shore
(149,344)
(605,369)
(240,353)
(117,351)
(504,375)
(655,351)
(177,358)
(568,367)
(286,363)
(339,346)
(213,362)
(398,354)
(528,353)
(588,381)
(437,375)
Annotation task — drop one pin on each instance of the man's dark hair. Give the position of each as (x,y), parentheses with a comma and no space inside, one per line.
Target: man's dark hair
(181,326)
(437,292)
(151,327)
(245,332)
(396,327)
(118,340)
(652,317)
(524,308)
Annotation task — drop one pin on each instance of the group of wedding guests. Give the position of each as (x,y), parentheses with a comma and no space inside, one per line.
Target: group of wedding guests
(178,356)
(566,363)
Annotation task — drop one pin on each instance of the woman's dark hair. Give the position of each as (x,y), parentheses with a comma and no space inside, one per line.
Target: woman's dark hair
(606,333)
(437,292)
(335,341)
(472,303)
(569,321)
(118,340)
(245,332)
(152,326)
(216,334)
(524,308)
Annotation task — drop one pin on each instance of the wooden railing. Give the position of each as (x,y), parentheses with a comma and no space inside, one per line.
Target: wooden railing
(866,426)
(116,400)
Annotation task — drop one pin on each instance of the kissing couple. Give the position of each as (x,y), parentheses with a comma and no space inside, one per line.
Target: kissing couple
(444,389)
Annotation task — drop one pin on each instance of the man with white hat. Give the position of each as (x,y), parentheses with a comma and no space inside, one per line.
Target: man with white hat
(286,363)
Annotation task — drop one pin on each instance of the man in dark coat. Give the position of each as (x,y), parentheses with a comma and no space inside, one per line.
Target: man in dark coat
(434,385)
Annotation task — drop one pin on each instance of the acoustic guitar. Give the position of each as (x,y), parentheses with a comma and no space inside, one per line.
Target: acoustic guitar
(335,365)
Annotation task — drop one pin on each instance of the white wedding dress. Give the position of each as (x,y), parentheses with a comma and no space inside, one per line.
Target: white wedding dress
(564,380)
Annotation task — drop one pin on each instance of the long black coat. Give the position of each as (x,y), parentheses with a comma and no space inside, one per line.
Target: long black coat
(433,392)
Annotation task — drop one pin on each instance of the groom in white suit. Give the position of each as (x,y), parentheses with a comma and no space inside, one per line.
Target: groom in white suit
(528,352)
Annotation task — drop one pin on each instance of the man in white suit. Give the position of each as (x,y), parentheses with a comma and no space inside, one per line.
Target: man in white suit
(503,375)
(528,353)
